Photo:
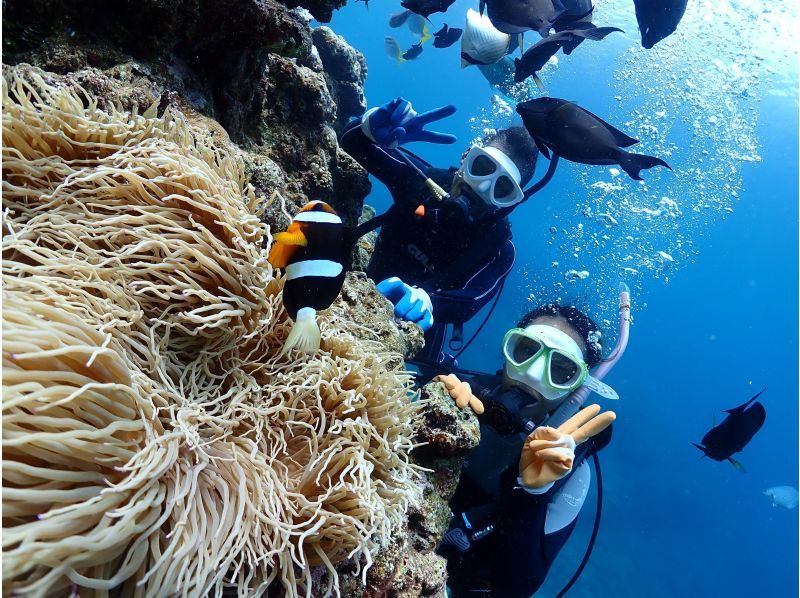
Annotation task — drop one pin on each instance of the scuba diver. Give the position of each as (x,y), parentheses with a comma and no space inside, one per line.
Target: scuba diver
(440,257)
(522,488)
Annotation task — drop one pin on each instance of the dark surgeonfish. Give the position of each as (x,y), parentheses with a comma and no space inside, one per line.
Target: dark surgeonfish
(658,18)
(446,36)
(412,52)
(579,136)
(426,7)
(518,16)
(735,431)
(538,54)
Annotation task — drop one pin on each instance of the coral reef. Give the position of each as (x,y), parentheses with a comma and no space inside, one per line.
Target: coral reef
(154,440)
(247,64)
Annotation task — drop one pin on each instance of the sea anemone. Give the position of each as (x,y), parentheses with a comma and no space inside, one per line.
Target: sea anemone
(154,440)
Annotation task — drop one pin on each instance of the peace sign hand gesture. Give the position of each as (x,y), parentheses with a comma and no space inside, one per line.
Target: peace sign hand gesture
(396,123)
(548,453)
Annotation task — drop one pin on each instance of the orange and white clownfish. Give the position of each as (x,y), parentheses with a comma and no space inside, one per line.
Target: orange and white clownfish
(312,252)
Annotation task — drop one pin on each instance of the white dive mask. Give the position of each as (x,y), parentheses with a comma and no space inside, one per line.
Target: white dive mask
(492,175)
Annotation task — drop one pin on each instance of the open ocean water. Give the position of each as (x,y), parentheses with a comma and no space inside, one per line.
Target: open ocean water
(709,251)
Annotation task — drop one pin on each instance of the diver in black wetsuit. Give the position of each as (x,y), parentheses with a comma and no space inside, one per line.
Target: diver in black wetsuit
(522,488)
(440,260)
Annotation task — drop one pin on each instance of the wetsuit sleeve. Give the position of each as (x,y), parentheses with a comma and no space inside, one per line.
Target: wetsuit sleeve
(459,305)
(403,182)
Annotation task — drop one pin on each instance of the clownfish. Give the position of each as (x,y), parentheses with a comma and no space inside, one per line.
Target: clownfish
(312,252)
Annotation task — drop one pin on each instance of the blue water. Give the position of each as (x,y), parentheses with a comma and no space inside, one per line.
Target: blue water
(714,323)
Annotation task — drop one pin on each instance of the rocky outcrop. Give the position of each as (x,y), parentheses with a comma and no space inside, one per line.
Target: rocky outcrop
(249,66)
(345,72)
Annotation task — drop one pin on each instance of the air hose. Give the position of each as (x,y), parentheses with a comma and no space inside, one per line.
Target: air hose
(595,529)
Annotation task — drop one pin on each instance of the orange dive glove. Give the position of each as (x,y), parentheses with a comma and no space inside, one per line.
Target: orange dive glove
(461,392)
(548,453)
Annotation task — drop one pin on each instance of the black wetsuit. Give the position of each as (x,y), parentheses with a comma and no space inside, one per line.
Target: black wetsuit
(514,556)
(460,262)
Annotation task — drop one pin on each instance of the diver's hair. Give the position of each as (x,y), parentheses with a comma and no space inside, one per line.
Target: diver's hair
(518,145)
(586,328)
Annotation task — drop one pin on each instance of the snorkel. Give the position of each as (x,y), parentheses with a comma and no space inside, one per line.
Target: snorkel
(574,402)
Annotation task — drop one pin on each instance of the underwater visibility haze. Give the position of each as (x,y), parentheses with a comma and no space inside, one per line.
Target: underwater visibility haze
(709,251)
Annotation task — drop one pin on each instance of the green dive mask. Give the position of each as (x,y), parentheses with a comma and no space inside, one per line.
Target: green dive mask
(548,361)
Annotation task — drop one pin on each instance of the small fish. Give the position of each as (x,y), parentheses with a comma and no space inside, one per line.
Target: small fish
(481,42)
(312,252)
(658,19)
(735,432)
(782,496)
(576,134)
(518,16)
(413,52)
(393,49)
(538,54)
(446,36)
(426,7)
(398,19)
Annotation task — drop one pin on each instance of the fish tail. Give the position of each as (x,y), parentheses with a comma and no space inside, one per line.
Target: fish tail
(426,34)
(304,335)
(737,465)
(633,163)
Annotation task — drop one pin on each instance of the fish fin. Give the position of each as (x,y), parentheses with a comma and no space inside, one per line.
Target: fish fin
(539,83)
(280,255)
(620,138)
(633,163)
(304,335)
(482,6)
(737,465)
(426,34)
(744,406)
(701,448)
(596,33)
(291,237)
(542,147)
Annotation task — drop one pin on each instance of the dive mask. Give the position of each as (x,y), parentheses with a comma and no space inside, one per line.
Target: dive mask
(549,361)
(492,175)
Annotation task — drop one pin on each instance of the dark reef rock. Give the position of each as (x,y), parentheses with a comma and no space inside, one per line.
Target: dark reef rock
(345,72)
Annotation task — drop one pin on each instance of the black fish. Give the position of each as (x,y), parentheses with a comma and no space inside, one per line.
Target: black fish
(580,136)
(658,18)
(412,52)
(518,16)
(446,36)
(538,54)
(735,431)
(426,7)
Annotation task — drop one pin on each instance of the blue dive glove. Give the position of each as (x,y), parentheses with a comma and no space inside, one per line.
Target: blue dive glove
(396,123)
(410,303)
